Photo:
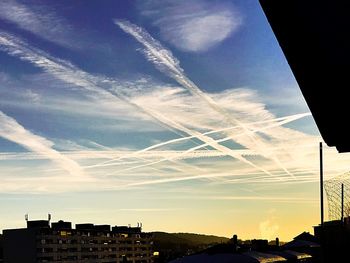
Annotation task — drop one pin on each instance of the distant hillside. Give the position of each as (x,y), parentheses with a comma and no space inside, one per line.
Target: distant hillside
(188,240)
(199,239)
(175,245)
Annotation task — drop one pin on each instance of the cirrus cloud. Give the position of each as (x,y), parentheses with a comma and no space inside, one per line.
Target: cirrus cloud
(193,26)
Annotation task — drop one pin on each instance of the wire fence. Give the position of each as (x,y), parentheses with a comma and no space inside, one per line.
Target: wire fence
(334,196)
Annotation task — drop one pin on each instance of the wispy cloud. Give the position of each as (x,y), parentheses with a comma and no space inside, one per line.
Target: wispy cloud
(32,96)
(193,25)
(37,19)
(243,152)
(151,210)
(185,154)
(104,88)
(207,132)
(11,130)
(262,198)
(42,93)
(168,64)
(108,154)
(67,72)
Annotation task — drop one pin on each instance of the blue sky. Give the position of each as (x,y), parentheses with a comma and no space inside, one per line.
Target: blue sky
(183,115)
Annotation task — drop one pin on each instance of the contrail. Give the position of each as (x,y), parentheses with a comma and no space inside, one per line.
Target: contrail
(64,71)
(259,179)
(11,130)
(167,63)
(208,140)
(175,155)
(68,73)
(290,118)
(84,155)
(284,121)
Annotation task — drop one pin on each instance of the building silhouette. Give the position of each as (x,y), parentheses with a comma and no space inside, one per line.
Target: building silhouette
(334,237)
(1,254)
(254,251)
(40,242)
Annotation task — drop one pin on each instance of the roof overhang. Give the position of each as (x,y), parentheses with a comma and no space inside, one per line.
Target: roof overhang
(314,36)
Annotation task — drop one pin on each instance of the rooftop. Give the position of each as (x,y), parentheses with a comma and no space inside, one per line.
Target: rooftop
(313,36)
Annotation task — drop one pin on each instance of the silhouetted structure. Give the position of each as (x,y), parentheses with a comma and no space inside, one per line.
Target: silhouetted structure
(313,35)
(257,250)
(1,249)
(260,244)
(86,243)
(305,243)
(335,239)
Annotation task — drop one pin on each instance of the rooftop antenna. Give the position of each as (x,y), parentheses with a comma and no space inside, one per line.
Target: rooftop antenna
(49,218)
(321,182)
(26,217)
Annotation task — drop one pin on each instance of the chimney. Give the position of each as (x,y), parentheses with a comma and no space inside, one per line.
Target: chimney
(235,243)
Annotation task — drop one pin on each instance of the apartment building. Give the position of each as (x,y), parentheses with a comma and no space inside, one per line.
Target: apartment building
(40,242)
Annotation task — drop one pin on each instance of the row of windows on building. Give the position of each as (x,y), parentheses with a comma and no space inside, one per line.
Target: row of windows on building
(94,241)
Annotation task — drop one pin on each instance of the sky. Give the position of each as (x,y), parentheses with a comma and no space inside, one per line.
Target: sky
(182,115)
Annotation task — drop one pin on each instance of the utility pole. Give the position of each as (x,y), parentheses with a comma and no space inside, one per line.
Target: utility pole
(321,182)
(342,203)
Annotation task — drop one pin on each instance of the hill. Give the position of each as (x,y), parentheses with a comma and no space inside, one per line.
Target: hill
(174,245)
(201,239)
(163,239)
